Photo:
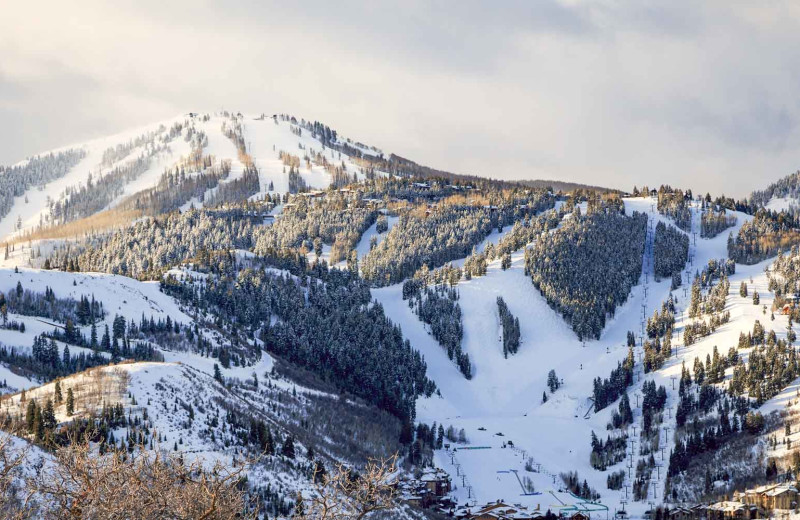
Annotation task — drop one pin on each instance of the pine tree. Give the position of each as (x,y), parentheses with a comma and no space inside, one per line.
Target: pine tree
(287,450)
(58,395)
(70,402)
(49,416)
(93,341)
(30,414)
(552,381)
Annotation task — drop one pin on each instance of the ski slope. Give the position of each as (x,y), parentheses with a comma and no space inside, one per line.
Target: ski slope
(503,401)
(265,138)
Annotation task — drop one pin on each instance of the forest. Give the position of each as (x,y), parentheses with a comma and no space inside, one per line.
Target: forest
(444,233)
(36,171)
(330,328)
(764,236)
(587,267)
(670,251)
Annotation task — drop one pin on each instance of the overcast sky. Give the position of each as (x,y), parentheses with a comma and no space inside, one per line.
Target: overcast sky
(696,94)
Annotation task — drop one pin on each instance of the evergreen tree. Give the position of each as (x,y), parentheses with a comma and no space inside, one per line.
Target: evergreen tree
(70,402)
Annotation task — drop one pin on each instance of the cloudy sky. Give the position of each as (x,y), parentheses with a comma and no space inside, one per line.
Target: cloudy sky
(695,94)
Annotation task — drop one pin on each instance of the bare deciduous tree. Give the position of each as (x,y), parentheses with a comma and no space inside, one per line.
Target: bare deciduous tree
(83,486)
(342,495)
(15,502)
(79,484)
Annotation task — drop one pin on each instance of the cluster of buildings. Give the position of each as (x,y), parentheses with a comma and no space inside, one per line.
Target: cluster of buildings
(760,502)
(429,491)
(501,511)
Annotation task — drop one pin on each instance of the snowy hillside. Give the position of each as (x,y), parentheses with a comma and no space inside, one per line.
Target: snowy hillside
(167,144)
(584,351)
(501,409)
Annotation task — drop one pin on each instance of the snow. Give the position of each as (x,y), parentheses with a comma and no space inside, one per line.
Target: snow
(178,149)
(120,295)
(90,164)
(504,395)
(265,140)
(782,204)
(363,244)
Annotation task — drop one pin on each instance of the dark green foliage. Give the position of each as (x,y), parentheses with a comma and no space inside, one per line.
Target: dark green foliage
(670,251)
(675,204)
(713,222)
(586,268)
(447,233)
(438,307)
(331,328)
(510,326)
(607,391)
(764,236)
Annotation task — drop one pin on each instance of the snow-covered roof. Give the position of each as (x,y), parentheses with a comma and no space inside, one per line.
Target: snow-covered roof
(779,490)
(727,506)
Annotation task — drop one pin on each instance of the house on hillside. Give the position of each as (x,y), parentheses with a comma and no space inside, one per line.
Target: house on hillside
(698,511)
(758,496)
(502,511)
(728,510)
(680,513)
(437,481)
(781,497)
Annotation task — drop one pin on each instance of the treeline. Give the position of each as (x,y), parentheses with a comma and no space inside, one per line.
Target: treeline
(707,420)
(445,233)
(764,236)
(787,187)
(438,307)
(46,362)
(606,391)
(670,251)
(653,401)
(149,247)
(587,267)
(45,305)
(77,202)
(769,368)
(177,187)
(410,189)
(337,220)
(120,151)
(332,329)
(608,453)
(36,171)
(582,490)
(713,222)
(239,189)
(784,276)
(675,205)
(510,325)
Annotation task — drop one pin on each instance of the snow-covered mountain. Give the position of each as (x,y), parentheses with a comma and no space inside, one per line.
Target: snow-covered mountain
(289,284)
(169,144)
